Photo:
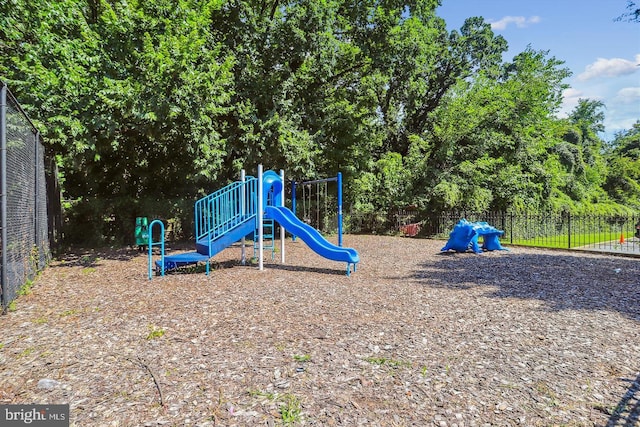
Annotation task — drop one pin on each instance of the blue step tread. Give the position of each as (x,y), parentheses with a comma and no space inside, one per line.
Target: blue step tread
(171,262)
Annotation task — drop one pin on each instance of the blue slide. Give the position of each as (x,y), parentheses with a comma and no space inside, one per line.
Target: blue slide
(311,236)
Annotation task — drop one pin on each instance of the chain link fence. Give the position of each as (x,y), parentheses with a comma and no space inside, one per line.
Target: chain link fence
(27,180)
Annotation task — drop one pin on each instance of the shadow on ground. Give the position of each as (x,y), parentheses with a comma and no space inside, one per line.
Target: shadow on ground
(627,412)
(90,257)
(297,268)
(562,281)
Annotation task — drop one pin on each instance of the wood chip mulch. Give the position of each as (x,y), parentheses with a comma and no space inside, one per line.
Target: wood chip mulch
(414,337)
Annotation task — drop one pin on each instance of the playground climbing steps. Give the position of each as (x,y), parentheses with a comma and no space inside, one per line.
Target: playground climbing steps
(221,219)
(268,237)
(225,216)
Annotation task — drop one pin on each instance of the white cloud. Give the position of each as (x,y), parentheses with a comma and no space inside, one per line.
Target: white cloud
(628,95)
(519,21)
(572,93)
(623,109)
(617,121)
(614,127)
(610,68)
(570,99)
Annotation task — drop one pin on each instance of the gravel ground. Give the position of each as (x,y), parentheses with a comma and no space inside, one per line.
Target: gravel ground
(414,337)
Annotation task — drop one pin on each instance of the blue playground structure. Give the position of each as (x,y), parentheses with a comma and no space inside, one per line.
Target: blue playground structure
(465,236)
(231,213)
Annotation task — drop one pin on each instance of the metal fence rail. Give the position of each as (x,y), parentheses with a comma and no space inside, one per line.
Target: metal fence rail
(619,234)
(607,233)
(24,219)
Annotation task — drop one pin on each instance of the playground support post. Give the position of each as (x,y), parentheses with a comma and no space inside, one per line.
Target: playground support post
(243,210)
(293,201)
(151,244)
(282,230)
(260,219)
(339,178)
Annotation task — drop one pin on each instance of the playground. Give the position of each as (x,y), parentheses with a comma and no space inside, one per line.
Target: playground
(416,336)
(230,214)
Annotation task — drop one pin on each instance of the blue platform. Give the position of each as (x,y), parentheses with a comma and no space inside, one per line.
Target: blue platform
(207,248)
(173,262)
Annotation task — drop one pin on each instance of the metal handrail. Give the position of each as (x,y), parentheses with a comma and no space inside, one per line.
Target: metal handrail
(225,209)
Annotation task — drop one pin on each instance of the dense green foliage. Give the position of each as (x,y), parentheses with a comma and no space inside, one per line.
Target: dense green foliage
(632,14)
(623,177)
(149,104)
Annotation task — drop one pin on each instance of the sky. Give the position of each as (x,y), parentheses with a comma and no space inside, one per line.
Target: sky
(603,54)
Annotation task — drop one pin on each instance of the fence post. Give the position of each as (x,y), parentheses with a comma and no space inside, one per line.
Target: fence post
(3,194)
(511,226)
(36,204)
(569,230)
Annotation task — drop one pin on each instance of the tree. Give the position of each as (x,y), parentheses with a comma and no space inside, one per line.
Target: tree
(490,138)
(296,86)
(415,63)
(588,117)
(149,105)
(623,177)
(127,94)
(627,143)
(632,14)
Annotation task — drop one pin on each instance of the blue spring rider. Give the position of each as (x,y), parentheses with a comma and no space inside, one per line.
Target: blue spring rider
(465,236)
